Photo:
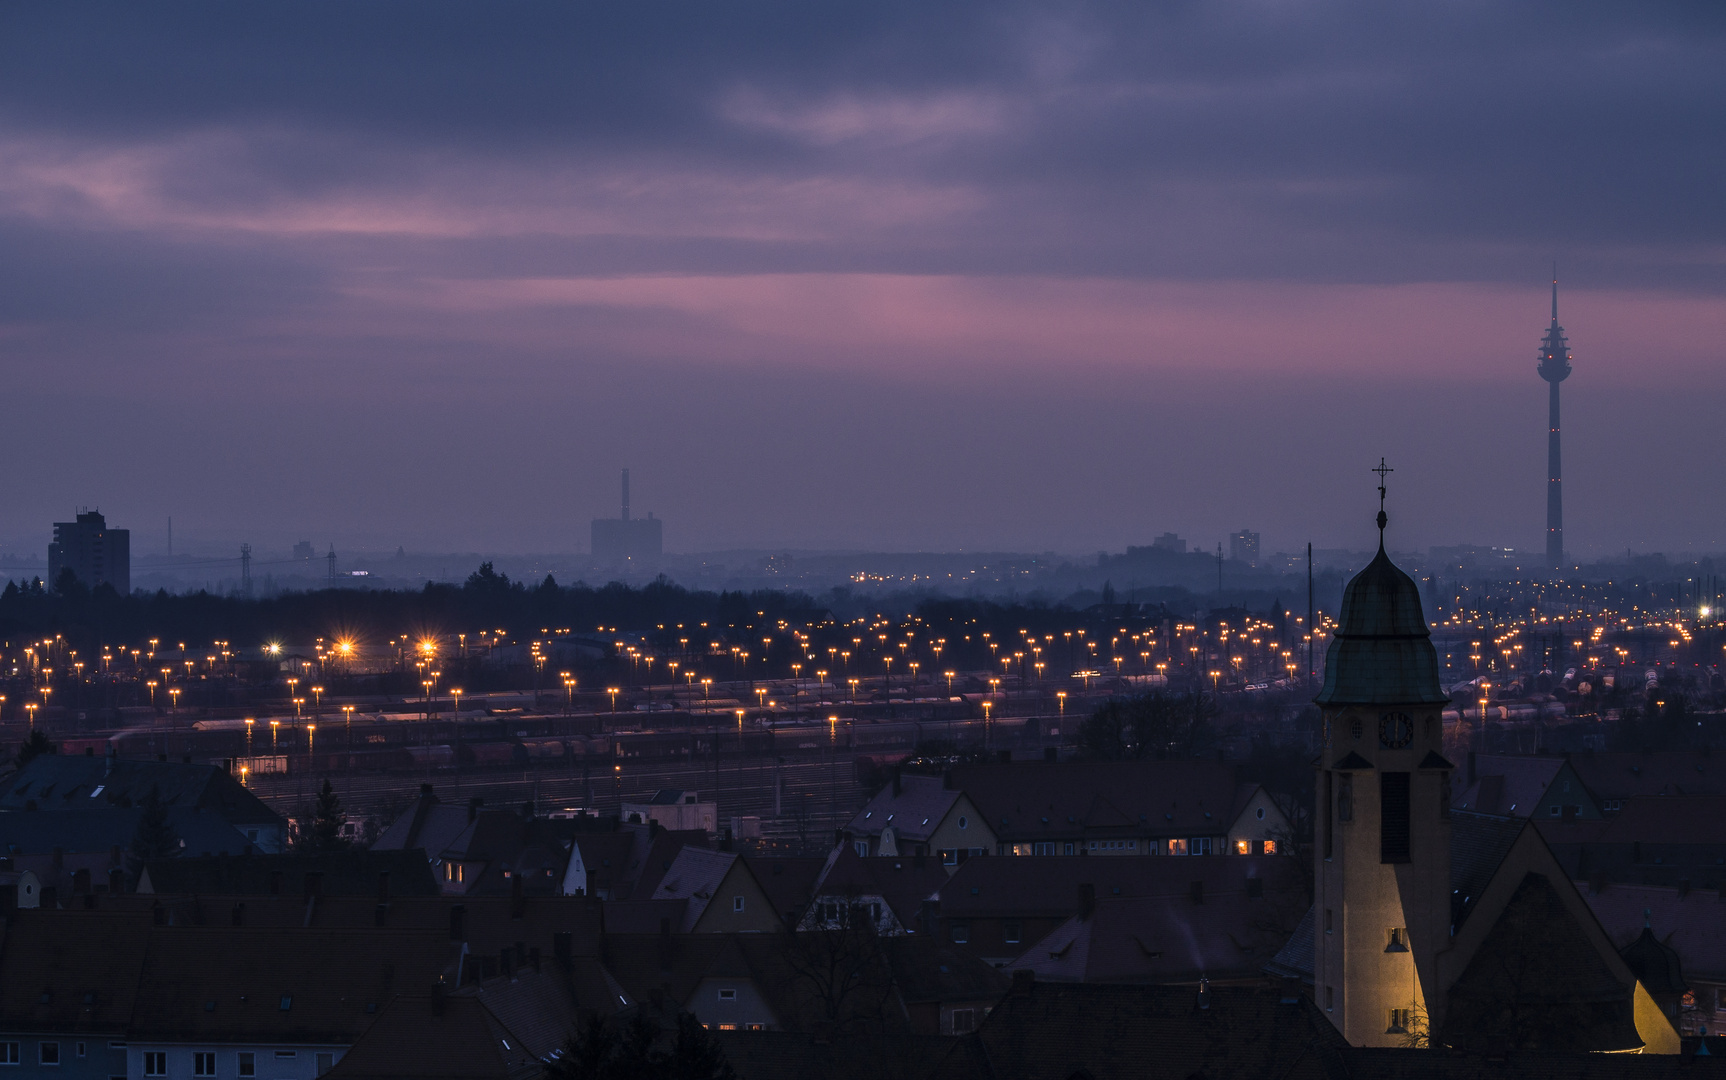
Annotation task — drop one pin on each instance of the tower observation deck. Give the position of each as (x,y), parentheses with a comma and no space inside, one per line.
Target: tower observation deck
(1554,368)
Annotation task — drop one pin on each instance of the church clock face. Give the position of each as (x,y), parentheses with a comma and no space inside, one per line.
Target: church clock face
(1395,730)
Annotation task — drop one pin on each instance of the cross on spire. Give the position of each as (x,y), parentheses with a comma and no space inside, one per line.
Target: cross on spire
(1381,470)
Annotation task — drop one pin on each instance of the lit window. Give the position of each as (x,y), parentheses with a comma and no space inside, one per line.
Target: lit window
(1177,847)
(1243,847)
(1270,847)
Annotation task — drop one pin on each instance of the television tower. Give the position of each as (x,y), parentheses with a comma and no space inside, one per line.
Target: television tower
(1554,368)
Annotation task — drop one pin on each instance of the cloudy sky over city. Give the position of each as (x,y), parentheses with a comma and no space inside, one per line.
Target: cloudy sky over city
(885,276)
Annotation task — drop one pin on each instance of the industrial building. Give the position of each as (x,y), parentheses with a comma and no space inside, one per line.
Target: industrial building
(621,540)
(97,554)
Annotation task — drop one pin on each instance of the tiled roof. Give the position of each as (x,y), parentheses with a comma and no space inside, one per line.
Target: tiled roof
(1660,819)
(1692,921)
(1117,1032)
(1048,885)
(928,970)
(1041,800)
(63,782)
(694,876)
(914,811)
(1478,844)
(221,984)
(788,880)
(100,830)
(1295,959)
(71,971)
(436,1038)
(1663,772)
(1219,935)
(375,874)
(1507,785)
(643,916)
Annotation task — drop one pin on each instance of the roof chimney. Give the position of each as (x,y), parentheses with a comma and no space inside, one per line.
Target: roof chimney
(561,946)
(457,922)
(1087,899)
(1204,993)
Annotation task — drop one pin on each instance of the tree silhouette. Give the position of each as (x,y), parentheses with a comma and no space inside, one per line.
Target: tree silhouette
(327,821)
(154,839)
(635,1049)
(32,748)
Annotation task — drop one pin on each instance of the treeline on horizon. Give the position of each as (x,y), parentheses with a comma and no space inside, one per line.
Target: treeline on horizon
(486,600)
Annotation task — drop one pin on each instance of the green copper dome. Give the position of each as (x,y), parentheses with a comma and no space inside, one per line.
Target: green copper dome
(1382,653)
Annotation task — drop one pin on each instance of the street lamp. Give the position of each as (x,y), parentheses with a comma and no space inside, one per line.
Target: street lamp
(1061,697)
(612,690)
(275,728)
(348,710)
(455,705)
(249,722)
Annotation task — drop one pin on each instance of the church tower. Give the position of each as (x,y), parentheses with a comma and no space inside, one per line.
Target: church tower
(1381,908)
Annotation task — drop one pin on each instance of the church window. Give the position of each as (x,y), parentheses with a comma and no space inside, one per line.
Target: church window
(1399,1021)
(1345,797)
(1398,936)
(1393,836)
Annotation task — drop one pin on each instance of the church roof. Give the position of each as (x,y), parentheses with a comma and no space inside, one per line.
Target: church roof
(1382,653)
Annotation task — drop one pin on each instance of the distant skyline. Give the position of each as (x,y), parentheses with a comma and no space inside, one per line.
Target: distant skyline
(885,277)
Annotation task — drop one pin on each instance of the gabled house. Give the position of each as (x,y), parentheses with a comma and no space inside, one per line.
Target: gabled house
(920,815)
(888,892)
(720,892)
(475,851)
(1123,808)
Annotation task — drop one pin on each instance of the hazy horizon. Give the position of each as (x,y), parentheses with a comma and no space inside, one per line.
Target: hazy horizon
(887,278)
